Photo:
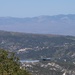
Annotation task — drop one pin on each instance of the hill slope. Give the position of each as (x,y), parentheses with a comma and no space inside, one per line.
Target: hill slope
(37,46)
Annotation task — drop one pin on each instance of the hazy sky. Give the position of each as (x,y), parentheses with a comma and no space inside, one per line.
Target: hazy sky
(31,8)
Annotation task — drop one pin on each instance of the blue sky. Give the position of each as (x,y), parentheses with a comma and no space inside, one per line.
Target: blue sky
(32,8)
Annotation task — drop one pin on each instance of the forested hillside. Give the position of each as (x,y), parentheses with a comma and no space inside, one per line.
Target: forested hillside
(37,46)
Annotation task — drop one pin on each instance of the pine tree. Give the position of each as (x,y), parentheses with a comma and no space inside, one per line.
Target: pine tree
(9,64)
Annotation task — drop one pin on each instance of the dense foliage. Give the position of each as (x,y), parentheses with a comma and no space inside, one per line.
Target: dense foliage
(9,64)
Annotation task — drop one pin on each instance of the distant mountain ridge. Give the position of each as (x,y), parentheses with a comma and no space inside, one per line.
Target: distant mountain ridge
(57,24)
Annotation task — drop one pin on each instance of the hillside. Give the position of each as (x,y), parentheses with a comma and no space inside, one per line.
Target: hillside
(57,24)
(37,46)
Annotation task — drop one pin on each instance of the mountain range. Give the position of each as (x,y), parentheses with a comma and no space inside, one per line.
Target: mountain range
(57,24)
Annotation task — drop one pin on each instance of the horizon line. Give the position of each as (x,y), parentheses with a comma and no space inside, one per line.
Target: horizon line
(34,16)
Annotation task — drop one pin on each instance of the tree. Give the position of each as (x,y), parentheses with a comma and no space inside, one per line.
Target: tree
(9,64)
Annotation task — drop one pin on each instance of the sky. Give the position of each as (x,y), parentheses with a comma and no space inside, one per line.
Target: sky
(32,8)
